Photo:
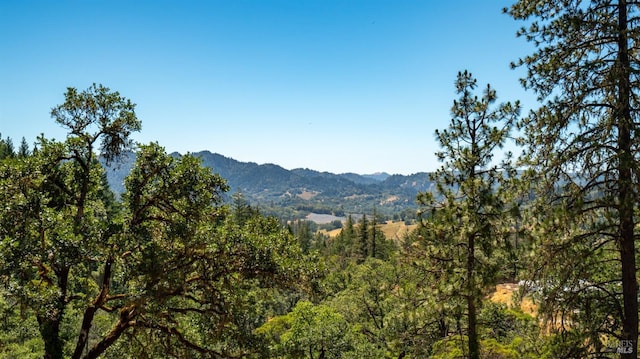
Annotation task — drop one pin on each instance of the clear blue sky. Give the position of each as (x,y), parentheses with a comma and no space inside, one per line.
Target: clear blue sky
(330,85)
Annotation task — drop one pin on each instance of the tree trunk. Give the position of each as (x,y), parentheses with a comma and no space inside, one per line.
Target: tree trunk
(50,333)
(626,192)
(474,346)
(89,313)
(126,321)
(49,323)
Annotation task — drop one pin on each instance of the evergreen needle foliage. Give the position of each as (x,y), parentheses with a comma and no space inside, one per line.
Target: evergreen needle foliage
(582,150)
(462,217)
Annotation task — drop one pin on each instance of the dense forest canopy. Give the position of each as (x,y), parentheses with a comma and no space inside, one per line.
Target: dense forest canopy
(529,257)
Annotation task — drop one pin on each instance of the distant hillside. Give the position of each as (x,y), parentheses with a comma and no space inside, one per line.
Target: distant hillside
(366,179)
(296,193)
(378,176)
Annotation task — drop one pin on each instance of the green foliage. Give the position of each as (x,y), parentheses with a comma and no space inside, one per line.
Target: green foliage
(170,268)
(53,220)
(491,348)
(23,150)
(7,149)
(241,209)
(97,113)
(454,348)
(55,215)
(19,337)
(463,229)
(581,148)
(511,329)
(357,242)
(309,331)
(304,233)
(236,255)
(380,298)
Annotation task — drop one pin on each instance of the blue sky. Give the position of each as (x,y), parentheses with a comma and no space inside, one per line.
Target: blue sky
(331,85)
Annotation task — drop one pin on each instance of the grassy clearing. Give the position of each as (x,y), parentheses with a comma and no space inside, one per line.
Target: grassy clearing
(396,230)
(392,230)
(504,294)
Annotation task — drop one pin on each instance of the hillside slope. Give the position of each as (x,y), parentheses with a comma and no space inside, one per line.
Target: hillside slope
(302,191)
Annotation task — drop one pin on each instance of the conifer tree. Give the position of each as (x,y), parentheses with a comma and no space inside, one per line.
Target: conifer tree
(463,214)
(362,245)
(346,238)
(23,150)
(373,234)
(6,148)
(583,142)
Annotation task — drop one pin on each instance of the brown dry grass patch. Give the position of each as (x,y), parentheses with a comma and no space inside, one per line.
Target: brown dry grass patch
(307,195)
(392,230)
(504,294)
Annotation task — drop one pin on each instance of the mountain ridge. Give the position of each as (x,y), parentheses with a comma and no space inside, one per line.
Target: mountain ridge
(298,192)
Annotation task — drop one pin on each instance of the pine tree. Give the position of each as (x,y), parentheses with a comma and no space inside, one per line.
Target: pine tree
(463,214)
(23,150)
(6,148)
(241,208)
(373,234)
(583,142)
(361,249)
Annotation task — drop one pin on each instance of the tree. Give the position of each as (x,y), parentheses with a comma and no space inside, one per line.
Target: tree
(309,331)
(343,244)
(241,208)
(169,255)
(464,213)
(6,148)
(23,150)
(373,234)
(383,300)
(303,231)
(379,246)
(53,218)
(583,141)
(361,246)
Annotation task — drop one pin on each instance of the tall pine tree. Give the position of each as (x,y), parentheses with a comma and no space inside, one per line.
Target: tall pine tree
(583,143)
(463,214)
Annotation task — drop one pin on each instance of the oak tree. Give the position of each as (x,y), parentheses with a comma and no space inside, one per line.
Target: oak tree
(167,266)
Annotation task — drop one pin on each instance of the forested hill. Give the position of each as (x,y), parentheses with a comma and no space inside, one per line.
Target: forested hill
(298,191)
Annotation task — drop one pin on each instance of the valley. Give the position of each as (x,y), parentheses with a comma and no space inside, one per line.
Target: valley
(297,194)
